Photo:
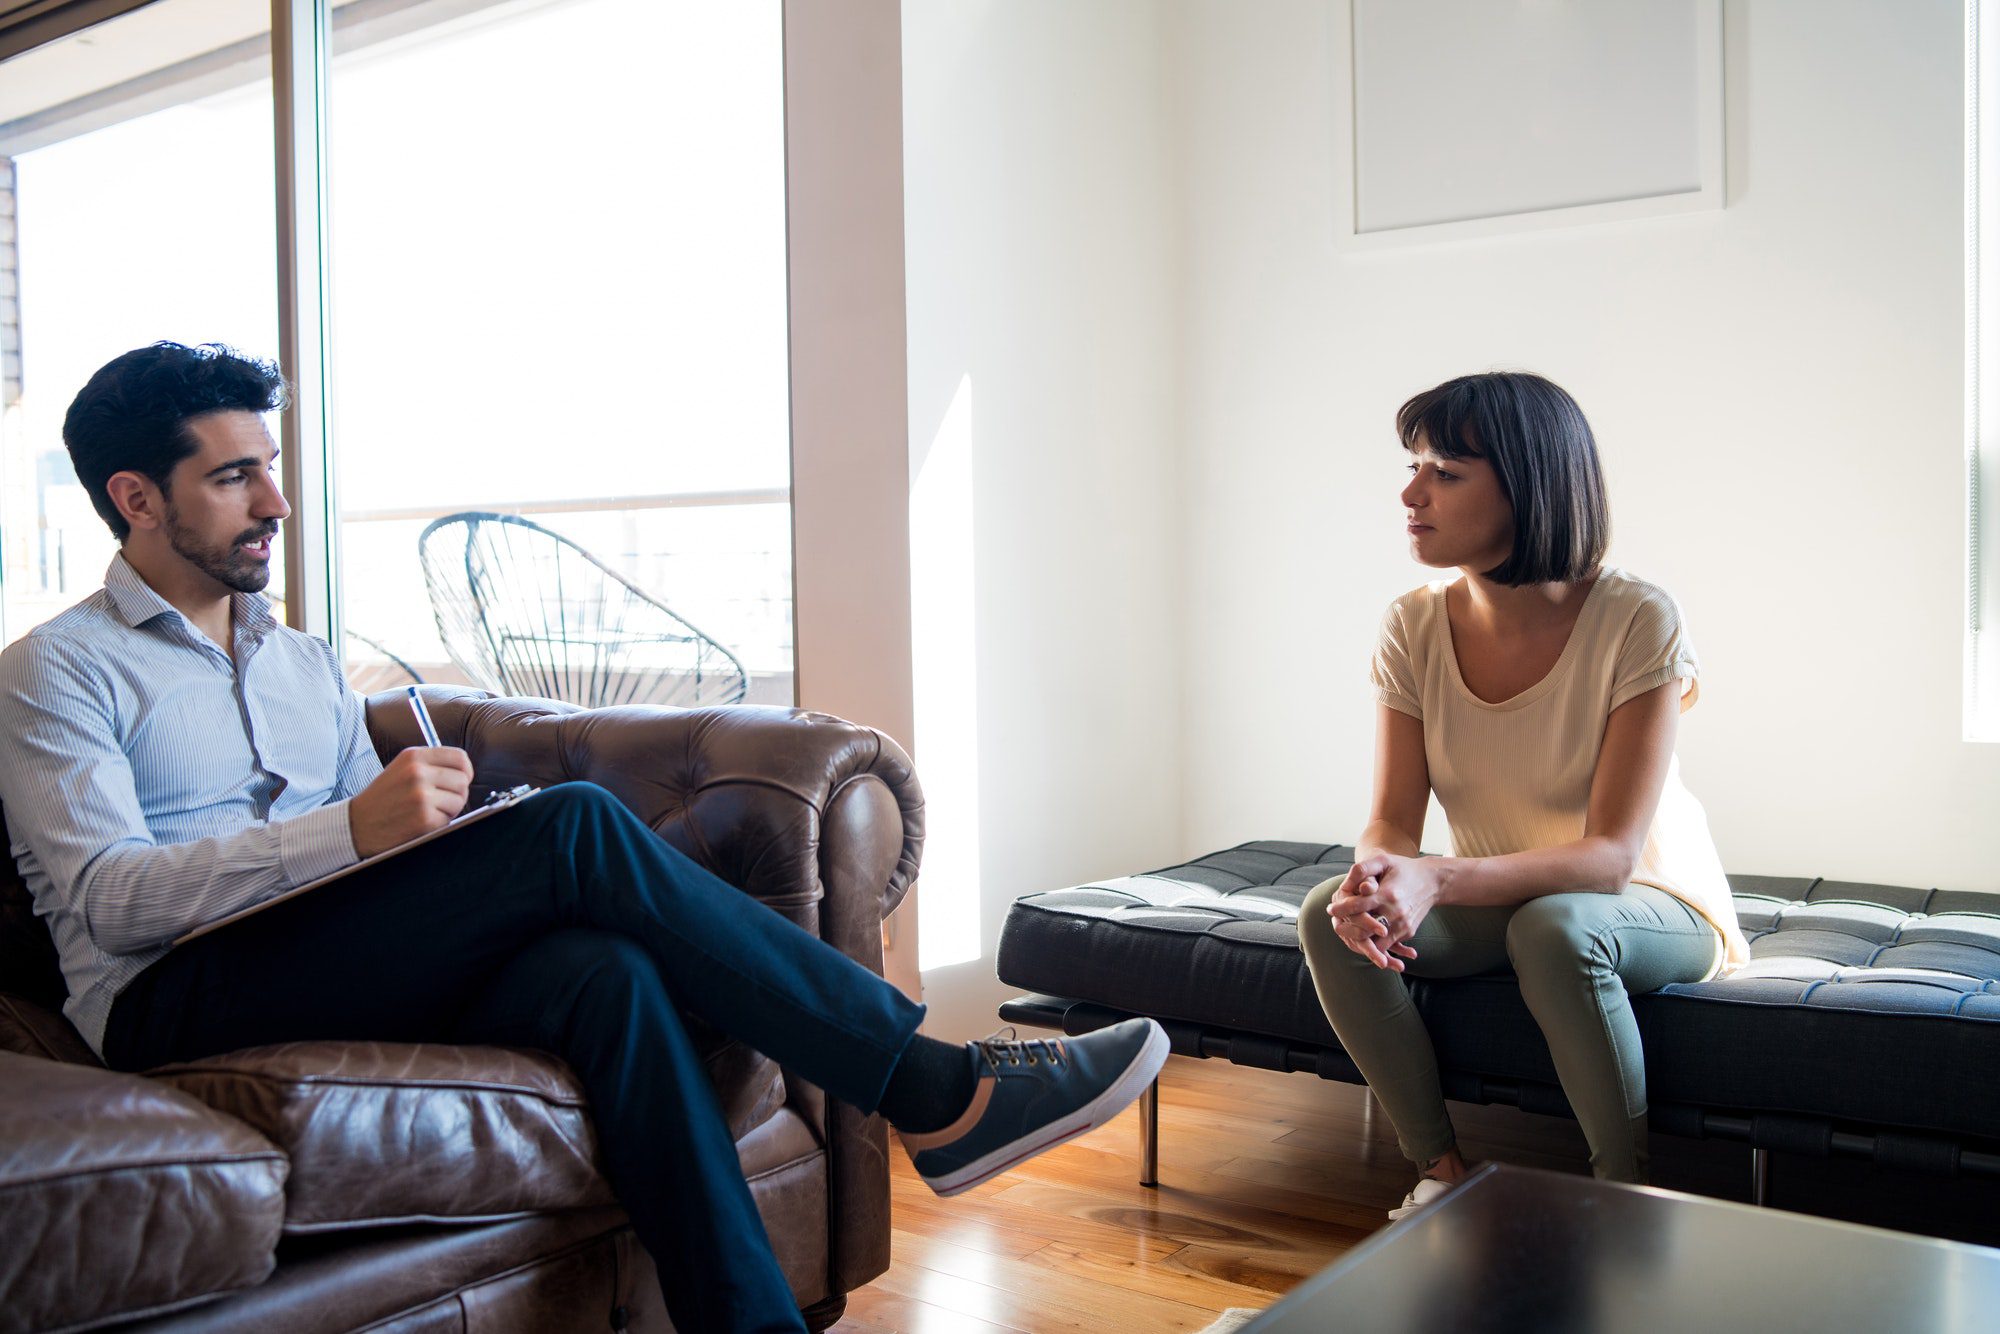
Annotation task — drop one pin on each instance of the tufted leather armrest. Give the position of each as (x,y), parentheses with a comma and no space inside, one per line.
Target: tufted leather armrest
(820,818)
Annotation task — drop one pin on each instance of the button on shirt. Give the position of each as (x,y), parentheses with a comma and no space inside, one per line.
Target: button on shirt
(153,784)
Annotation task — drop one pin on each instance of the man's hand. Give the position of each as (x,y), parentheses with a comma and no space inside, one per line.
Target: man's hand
(420,790)
(1380,905)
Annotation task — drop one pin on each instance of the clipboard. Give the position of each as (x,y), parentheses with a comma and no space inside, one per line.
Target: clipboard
(500,800)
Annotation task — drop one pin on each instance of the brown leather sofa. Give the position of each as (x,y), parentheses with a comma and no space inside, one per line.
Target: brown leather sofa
(416,1188)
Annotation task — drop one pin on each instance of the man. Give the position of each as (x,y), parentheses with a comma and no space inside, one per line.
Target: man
(170,754)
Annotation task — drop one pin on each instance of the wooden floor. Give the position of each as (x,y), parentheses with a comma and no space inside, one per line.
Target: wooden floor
(1264,1179)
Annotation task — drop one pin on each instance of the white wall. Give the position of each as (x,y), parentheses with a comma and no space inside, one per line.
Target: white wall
(1041,265)
(1775,388)
(1120,226)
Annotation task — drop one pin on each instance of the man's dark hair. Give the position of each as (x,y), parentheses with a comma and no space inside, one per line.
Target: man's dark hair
(133,415)
(1538,444)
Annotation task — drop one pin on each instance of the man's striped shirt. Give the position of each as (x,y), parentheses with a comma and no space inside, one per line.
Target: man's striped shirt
(152,783)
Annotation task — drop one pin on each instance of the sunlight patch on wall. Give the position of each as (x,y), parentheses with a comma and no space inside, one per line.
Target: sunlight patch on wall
(945,658)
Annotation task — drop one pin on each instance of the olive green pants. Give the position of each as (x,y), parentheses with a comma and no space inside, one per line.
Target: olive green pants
(1578,958)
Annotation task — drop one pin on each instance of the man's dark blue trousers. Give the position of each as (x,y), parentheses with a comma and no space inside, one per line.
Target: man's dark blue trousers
(564,924)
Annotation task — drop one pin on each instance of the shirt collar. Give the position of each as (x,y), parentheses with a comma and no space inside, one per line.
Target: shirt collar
(137,603)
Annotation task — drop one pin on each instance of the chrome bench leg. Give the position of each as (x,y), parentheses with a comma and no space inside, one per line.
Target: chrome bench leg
(1760,1175)
(1149,1135)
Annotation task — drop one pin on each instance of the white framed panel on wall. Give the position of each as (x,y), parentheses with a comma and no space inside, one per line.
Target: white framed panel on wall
(1473,118)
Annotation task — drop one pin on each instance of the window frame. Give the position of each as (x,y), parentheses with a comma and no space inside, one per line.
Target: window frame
(301,49)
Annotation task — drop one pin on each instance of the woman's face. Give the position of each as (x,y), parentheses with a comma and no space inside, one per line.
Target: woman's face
(1457,515)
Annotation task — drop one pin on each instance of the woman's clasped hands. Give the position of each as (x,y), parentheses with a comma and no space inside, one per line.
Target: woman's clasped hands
(1380,904)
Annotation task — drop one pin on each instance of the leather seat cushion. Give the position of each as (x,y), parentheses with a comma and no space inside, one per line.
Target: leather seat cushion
(161,1204)
(382,1133)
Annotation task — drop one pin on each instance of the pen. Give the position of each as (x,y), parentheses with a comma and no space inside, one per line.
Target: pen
(424,723)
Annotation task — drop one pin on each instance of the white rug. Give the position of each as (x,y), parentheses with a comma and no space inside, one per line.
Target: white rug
(1236,1317)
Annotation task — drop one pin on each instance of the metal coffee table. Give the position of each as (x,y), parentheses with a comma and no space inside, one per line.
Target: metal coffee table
(1518,1249)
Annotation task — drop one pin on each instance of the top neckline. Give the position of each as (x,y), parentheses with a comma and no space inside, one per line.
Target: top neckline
(1539,688)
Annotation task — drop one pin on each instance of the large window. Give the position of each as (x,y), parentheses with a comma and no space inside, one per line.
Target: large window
(135,160)
(557,293)
(602,267)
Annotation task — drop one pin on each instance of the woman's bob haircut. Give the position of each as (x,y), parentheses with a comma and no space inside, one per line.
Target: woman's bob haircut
(1534,436)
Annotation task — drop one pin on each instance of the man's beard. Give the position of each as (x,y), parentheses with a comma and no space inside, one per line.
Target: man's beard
(228,566)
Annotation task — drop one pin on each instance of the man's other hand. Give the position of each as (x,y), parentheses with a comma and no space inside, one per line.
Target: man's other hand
(420,790)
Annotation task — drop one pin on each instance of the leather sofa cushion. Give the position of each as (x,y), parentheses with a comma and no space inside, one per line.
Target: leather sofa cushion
(381,1132)
(119,1196)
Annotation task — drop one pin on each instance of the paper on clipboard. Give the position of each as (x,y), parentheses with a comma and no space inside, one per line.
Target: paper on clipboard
(499,801)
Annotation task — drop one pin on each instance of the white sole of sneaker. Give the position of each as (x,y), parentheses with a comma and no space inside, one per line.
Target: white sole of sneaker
(1145,1067)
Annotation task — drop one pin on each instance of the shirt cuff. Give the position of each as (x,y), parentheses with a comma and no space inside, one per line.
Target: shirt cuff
(1401,703)
(1681,668)
(315,844)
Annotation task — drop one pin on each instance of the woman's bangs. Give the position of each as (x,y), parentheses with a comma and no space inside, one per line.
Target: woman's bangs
(1441,419)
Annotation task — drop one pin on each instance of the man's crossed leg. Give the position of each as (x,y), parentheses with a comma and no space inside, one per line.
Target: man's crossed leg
(568,925)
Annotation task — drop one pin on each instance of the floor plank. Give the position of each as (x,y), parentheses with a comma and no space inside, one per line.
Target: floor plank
(1015,1227)
(876,1310)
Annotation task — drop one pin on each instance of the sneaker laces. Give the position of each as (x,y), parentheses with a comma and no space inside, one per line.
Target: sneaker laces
(1008,1047)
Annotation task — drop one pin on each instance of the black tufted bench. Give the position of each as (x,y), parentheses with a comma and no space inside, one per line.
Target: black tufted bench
(1867,1022)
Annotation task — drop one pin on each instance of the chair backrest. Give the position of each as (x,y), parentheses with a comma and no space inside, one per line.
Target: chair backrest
(29,965)
(523,610)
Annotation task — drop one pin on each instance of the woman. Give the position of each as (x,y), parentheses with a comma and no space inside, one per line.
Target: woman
(1537,694)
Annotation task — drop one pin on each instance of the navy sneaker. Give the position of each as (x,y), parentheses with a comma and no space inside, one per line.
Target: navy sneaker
(1033,1095)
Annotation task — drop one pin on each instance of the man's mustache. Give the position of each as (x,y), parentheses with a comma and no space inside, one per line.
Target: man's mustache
(269,528)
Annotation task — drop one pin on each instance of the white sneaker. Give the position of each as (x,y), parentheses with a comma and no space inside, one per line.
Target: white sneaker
(1420,1195)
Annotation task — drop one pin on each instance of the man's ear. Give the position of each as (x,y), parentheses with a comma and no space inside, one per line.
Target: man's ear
(137,499)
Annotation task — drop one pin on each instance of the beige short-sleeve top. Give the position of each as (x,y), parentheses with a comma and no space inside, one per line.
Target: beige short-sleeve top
(1516,775)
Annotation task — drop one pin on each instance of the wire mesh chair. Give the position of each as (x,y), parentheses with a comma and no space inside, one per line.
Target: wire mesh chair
(523,610)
